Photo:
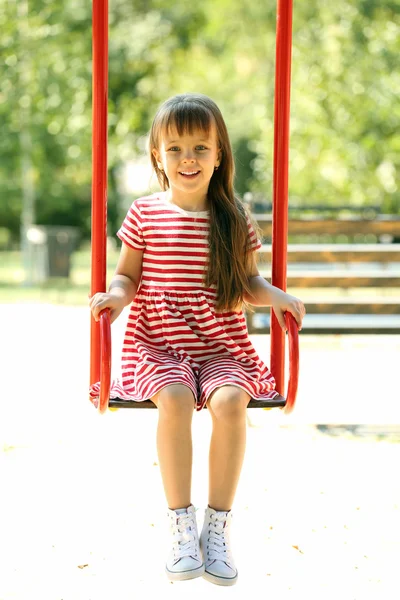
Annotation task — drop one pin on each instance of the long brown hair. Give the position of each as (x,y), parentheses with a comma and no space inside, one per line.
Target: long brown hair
(229,236)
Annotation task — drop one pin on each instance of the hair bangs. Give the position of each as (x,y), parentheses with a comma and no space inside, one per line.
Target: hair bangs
(186,118)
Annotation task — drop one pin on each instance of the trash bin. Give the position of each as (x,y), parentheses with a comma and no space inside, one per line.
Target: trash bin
(61,242)
(48,250)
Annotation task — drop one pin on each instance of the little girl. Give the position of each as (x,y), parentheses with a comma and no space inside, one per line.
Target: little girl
(187,265)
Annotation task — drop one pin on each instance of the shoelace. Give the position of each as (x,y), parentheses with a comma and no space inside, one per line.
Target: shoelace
(184,537)
(217,548)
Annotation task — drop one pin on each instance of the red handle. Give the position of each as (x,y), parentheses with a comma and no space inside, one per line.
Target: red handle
(293,335)
(105,360)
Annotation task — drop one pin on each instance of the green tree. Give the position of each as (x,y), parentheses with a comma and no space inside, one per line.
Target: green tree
(345,116)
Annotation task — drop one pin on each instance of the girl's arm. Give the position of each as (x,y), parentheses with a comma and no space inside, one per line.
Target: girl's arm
(123,286)
(264,293)
(128,273)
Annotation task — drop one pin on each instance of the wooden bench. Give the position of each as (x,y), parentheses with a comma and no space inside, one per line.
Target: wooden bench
(366,276)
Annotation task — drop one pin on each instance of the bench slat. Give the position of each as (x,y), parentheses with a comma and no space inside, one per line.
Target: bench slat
(381,225)
(333,253)
(351,306)
(340,279)
(336,324)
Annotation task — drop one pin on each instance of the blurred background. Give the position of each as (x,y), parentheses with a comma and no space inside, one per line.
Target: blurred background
(319,482)
(345,120)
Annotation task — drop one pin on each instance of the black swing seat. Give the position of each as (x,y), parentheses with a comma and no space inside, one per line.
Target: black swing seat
(277,402)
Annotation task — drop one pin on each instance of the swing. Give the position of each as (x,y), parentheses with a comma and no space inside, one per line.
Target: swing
(100,334)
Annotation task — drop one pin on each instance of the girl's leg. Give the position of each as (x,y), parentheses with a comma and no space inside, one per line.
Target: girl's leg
(175,405)
(227,406)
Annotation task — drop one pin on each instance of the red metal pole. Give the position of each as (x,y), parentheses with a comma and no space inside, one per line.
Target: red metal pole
(280,178)
(99,169)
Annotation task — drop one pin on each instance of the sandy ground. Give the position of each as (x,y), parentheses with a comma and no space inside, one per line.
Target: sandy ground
(82,510)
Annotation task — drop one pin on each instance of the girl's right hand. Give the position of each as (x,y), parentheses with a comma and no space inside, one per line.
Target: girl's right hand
(103,300)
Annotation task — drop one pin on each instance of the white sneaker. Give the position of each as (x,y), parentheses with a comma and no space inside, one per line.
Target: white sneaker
(185,560)
(215,546)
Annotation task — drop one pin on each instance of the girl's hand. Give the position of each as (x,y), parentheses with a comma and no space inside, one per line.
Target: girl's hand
(283,302)
(103,300)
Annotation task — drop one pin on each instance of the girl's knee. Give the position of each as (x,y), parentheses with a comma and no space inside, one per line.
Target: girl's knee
(228,403)
(175,401)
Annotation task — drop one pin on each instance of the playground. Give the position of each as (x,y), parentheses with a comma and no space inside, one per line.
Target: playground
(82,507)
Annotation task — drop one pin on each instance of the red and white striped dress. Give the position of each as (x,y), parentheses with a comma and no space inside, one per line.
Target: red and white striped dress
(174,334)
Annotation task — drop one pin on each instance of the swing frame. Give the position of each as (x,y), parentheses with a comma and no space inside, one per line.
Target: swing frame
(100,331)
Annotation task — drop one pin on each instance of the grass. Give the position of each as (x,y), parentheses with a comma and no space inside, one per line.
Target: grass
(56,290)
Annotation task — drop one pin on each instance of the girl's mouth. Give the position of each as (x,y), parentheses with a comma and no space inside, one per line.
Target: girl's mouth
(189,174)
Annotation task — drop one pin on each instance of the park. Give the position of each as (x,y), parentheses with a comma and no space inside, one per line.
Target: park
(317,508)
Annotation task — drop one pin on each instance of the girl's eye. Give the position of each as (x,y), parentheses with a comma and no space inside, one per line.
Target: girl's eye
(174,148)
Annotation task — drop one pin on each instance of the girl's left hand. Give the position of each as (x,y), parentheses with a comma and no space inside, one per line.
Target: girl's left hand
(282,302)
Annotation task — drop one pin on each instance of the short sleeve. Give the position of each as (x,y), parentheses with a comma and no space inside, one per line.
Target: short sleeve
(253,242)
(131,231)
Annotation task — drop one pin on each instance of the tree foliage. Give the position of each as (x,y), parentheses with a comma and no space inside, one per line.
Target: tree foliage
(345,115)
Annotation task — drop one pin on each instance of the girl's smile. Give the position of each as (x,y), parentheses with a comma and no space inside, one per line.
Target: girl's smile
(190,174)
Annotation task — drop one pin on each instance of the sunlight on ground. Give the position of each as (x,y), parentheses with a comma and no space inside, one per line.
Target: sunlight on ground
(82,511)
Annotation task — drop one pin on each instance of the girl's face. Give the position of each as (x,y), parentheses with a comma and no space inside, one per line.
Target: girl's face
(189,162)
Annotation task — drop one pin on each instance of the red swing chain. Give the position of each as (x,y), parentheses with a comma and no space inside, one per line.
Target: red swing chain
(280,201)
(100,349)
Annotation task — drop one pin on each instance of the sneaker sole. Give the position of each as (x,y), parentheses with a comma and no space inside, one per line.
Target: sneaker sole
(185,575)
(220,580)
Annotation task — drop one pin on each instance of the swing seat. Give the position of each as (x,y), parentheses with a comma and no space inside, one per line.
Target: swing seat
(104,401)
(277,402)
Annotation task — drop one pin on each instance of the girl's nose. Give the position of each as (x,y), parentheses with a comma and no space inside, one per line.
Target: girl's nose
(189,156)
